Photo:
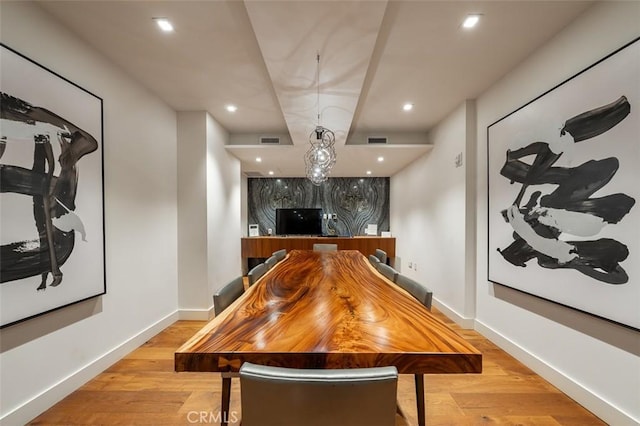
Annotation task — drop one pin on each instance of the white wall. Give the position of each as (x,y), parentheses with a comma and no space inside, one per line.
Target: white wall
(45,358)
(192,214)
(429,217)
(224,217)
(209,217)
(593,361)
(244,203)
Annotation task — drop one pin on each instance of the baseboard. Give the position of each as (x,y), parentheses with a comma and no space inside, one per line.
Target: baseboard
(583,396)
(49,397)
(466,323)
(196,314)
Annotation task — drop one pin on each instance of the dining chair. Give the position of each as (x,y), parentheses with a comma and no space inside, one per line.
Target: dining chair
(227,295)
(325,247)
(271,262)
(388,271)
(256,272)
(221,301)
(276,396)
(381,255)
(280,254)
(420,292)
(374,261)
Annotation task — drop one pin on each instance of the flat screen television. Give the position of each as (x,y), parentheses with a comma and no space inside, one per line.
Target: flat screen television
(299,221)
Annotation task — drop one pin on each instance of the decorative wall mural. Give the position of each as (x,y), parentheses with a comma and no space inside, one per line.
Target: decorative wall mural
(357,202)
(51,222)
(563,187)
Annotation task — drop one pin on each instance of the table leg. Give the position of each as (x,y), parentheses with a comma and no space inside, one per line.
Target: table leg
(420,399)
(226,396)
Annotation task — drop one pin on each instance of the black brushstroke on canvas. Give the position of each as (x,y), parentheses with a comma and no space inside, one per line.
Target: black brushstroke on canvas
(22,259)
(599,259)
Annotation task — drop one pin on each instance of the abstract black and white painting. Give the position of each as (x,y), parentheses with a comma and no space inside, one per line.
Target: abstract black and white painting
(564,186)
(51,191)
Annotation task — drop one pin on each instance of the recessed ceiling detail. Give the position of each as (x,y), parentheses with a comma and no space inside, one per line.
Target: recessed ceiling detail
(342,33)
(260,54)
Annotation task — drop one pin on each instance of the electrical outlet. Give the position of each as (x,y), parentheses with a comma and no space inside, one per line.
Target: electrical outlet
(410,265)
(415,266)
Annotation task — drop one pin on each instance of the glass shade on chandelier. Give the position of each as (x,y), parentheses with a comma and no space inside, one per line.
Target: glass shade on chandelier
(321,155)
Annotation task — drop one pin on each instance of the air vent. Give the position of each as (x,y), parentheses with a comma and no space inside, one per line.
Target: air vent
(253,174)
(270,140)
(377,140)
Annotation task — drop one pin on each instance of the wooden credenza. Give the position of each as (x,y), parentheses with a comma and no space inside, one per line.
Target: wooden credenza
(263,247)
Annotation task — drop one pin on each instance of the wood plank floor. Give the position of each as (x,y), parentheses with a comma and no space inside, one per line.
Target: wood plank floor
(143,389)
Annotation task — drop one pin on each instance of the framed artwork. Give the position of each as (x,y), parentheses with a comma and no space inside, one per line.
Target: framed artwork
(563,191)
(51,190)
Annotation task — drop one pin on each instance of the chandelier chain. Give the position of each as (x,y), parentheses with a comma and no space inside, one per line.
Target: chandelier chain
(318,84)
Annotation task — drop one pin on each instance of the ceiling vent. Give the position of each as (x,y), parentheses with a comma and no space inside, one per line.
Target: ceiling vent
(253,174)
(376,140)
(270,140)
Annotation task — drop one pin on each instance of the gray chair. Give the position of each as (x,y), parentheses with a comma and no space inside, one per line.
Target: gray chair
(386,270)
(374,261)
(221,301)
(271,262)
(280,254)
(274,396)
(227,295)
(420,292)
(256,272)
(325,247)
(381,255)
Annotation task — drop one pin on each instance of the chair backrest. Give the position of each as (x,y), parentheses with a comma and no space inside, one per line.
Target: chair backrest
(255,273)
(420,292)
(227,295)
(325,247)
(274,396)
(280,254)
(271,262)
(374,261)
(381,255)
(388,271)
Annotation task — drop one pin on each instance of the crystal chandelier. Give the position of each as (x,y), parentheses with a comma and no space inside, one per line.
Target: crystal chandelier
(321,155)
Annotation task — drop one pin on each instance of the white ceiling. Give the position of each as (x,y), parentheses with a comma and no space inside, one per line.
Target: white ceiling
(374,56)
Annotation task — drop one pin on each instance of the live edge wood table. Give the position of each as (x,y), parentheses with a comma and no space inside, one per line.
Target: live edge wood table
(329,310)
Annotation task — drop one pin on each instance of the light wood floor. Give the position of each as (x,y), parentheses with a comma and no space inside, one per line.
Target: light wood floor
(143,389)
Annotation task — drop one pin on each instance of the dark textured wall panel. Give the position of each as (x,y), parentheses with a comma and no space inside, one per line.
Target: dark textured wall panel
(356,201)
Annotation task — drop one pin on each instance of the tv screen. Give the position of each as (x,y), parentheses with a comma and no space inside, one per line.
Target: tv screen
(299,221)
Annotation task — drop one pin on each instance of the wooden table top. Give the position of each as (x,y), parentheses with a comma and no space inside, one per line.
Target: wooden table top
(328,310)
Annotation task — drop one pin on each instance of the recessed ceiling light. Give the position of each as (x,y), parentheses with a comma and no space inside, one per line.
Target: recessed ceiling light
(258,159)
(380,159)
(231,108)
(368,172)
(407,106)
(471,21)
(270,172)
(164,24)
